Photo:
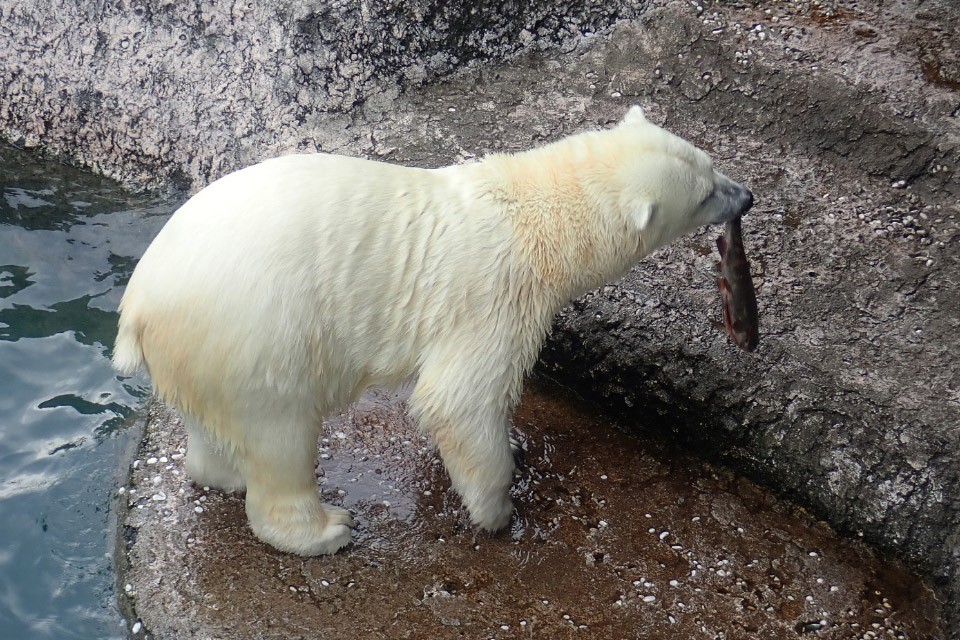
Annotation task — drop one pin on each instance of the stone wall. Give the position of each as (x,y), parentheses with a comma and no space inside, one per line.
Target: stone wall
(177,93)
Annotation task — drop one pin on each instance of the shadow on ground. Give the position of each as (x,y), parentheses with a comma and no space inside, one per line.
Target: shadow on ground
(613,537)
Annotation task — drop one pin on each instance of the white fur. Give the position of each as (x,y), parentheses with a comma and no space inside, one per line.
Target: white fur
(280,292)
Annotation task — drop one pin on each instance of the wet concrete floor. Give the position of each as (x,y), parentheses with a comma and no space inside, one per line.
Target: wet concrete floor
(614,536)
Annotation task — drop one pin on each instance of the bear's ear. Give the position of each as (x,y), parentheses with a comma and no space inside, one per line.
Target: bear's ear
(641,214)
(634,115)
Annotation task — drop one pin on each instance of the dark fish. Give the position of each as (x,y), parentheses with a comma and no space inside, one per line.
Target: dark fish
(736,289)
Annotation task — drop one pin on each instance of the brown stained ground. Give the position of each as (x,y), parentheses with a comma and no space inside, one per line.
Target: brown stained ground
(613,537)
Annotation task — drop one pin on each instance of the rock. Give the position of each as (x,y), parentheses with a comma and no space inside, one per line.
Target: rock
(851,404)
(841,117)
(161,94)
(613,533)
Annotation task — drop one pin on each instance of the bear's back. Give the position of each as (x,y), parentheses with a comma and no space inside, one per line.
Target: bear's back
(359,262)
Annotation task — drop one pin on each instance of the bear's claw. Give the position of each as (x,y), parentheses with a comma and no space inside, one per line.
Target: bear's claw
(519,456)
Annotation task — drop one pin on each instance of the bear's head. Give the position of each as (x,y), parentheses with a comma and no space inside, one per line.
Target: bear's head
(668,187)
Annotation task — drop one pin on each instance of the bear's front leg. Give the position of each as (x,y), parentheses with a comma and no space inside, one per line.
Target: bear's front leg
(472,434)
(282,502)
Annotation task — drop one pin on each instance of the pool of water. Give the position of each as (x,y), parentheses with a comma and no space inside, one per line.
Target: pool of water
(68,243)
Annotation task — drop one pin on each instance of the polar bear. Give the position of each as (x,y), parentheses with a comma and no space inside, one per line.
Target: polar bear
(280,292)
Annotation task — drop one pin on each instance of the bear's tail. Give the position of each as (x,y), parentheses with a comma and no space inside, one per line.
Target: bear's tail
(127,352)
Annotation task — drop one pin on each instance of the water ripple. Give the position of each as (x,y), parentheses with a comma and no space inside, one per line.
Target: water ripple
(68,243)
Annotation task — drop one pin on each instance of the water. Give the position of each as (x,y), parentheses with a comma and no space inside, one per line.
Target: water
(68,243)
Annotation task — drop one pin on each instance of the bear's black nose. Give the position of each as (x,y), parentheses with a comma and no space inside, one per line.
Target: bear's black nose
(747,201)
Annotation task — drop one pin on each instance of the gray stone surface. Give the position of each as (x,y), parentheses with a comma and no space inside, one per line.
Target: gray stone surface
(167,92)
(842,117)
(852,404)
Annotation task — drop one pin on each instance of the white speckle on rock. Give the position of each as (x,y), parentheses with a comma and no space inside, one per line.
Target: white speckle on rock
(135,629)
(151,460)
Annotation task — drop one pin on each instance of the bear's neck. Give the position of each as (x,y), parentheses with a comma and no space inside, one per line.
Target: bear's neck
(560,204)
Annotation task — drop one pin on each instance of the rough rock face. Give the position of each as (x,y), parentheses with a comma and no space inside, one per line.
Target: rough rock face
(179,92)
(844,119)
(853,402)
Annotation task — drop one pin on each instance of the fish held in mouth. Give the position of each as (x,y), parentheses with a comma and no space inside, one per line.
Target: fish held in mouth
(736,288)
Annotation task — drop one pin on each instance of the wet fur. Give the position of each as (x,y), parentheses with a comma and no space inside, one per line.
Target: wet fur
(280,292)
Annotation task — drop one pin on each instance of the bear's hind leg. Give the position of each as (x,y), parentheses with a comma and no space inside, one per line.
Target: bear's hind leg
(282,503)
(208,464)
